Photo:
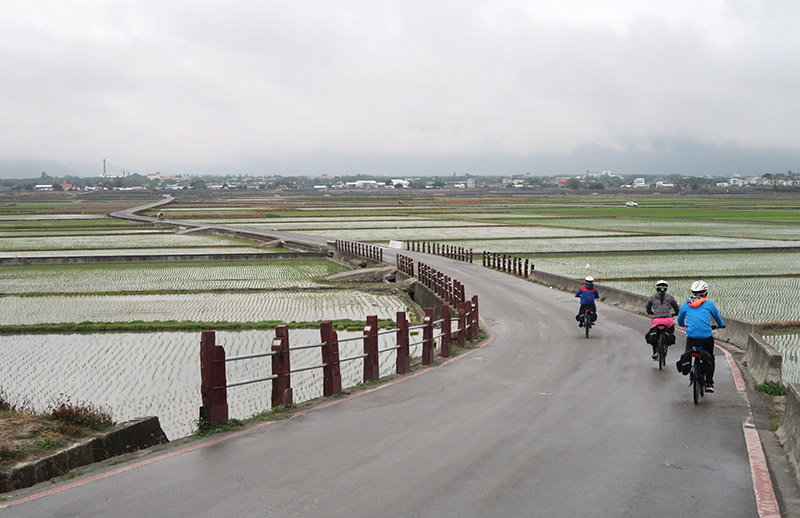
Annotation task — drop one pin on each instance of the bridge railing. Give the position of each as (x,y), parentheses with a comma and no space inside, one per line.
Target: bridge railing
(459,253)
(214,383)
(502,262)
(365,250)
(507,263)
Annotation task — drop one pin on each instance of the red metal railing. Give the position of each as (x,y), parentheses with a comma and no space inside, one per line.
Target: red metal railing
(366,250)
(459,253)
(507,263)
(214,383)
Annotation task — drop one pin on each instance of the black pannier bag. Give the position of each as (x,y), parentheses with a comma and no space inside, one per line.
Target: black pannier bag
(684,364)
(652,337)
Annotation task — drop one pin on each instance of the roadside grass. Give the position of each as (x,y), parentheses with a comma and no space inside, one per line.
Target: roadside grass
(204,429)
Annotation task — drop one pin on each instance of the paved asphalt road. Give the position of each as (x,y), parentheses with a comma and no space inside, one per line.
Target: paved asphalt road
(540,421)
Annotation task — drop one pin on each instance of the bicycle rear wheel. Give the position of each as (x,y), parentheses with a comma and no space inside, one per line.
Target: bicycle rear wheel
(697,382)
(587,322)
(662,351)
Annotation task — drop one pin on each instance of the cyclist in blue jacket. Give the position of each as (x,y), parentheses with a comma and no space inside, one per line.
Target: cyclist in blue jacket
(587,294)
(696,314)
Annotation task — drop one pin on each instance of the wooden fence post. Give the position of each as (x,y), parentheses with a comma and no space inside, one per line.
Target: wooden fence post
(403,358)
(475,318)
(331,373)
(281,368)
(213,383)
(427,337)
(462,324)
(446,330)
(371,368)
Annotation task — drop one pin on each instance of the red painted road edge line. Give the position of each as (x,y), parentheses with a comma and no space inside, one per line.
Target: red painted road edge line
(766,502)
(227,436)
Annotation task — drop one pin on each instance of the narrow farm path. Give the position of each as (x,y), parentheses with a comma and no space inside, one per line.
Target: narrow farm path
(540,421)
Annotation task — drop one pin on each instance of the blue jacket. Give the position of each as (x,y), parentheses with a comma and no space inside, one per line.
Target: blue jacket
(587,296)
(696,315)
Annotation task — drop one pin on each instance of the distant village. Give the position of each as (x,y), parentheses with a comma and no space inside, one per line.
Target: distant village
(589,181)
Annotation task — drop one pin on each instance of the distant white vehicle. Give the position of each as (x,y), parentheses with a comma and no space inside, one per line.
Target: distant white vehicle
(631,204)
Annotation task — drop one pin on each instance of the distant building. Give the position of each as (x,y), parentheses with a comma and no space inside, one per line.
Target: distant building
(43,187)
(123,174)
(639,182)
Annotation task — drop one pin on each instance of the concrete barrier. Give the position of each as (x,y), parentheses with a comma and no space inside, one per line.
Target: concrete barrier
(736,332)
(123,438)
(377,274)
(763,362)
(789,431)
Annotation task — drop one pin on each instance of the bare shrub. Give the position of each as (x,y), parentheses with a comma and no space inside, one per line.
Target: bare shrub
(80,415)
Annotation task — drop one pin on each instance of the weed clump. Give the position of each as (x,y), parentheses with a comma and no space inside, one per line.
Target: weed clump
(771,388)
(75,416)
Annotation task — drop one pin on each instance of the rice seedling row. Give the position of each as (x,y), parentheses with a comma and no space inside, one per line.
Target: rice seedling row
(345,221)
(657,265)
(386,223)
(51,217)
(285,306)
(83,232)
(635,243)
(753,299)
(153,252)
(138,375)
(701,228)
(788,344)
(499,233)
(54,225)
(92,242)
(164,276)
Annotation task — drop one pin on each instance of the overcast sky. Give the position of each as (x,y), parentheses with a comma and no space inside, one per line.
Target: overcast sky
(401,87)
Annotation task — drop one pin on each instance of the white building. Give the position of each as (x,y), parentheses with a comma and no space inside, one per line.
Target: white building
(639,182)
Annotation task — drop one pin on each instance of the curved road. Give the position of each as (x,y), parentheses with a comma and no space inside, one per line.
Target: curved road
(538,421)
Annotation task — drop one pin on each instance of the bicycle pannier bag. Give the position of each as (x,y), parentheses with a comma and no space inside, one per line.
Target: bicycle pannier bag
(684,364)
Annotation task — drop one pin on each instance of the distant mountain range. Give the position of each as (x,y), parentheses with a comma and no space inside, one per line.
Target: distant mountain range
(35,168)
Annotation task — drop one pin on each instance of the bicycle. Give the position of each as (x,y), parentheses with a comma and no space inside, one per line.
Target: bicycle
(697,376)
(661,347)
(587,320)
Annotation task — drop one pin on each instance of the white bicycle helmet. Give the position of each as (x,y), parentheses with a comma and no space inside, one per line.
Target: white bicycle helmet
(662,285)
(699,287)
(589,279)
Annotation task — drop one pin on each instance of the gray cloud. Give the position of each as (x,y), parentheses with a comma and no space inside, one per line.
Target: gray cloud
(479,86)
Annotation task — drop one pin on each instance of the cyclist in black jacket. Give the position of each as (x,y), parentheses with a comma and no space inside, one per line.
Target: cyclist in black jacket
(663,307)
